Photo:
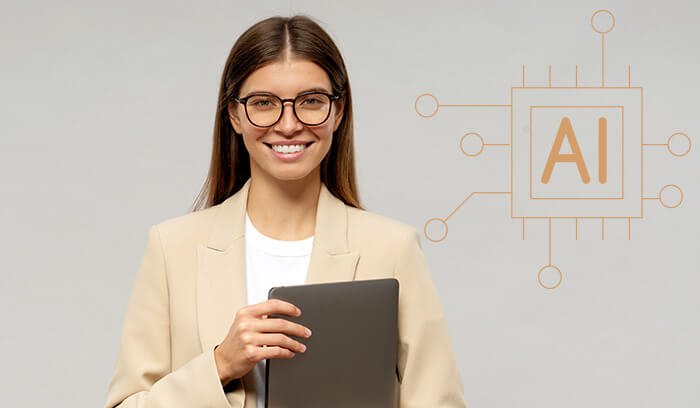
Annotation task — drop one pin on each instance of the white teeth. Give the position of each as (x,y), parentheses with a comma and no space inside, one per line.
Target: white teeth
(288,148)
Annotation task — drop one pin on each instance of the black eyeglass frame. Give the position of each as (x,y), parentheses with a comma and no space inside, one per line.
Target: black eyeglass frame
(283,101)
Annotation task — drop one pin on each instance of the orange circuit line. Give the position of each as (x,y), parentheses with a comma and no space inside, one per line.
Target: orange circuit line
(602,226)
(550,241)
(580,87)
(570,217)
(530,152)
(511,142)
(577,106)
(602,36)
(470,196)
(523,219)
(622,159)
(462,105)
(577,198)
(629,77)
(641,151)
(576,229)
(629,228)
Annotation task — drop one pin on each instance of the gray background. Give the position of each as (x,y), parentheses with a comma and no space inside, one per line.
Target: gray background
(106,115)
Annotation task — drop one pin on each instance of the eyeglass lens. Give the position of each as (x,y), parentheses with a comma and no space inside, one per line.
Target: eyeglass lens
(311,109)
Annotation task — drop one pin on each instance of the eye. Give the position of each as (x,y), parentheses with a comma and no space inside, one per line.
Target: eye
(262,102)
(311,101)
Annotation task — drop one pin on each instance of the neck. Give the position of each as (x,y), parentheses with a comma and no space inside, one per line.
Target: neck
(284,209)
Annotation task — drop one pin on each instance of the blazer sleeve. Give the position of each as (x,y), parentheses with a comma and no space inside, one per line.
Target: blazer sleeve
(143,376)
(426,366)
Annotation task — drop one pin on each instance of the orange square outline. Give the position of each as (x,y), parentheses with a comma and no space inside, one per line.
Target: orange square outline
(641,151)
(622,152)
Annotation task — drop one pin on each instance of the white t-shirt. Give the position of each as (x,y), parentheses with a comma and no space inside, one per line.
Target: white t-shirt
(271,262)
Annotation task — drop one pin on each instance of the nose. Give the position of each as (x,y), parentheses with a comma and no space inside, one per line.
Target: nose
(288,123)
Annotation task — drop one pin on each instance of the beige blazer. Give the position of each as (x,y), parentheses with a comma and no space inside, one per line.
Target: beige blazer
(191,282)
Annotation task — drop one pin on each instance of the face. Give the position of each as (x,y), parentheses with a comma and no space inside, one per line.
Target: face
(286,79)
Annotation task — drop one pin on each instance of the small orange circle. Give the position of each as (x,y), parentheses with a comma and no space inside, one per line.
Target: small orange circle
(661,195)
(426,115)
(539,276)
(680,134)
(481,142)
(602,30)
(445,230)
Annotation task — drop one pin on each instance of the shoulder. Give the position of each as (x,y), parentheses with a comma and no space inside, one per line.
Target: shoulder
(188,229)
(387,247)
(379,231)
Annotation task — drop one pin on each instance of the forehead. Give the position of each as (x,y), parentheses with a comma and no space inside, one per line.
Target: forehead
(286,78)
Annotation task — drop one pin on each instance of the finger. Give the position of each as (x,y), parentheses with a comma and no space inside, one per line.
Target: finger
(280,340)
(271,306)
(275,352)
(281,326)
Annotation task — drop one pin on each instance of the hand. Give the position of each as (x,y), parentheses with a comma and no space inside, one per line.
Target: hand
(253,337)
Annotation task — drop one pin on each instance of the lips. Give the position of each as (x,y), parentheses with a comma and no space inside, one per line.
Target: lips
(307,144)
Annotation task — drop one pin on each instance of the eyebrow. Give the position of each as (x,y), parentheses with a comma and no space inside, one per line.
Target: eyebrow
(314,89)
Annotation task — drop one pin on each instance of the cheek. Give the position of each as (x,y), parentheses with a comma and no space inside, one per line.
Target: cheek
(324,132)
(252,134)
(325,141)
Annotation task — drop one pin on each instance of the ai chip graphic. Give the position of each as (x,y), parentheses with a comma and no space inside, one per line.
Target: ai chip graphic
(576,152)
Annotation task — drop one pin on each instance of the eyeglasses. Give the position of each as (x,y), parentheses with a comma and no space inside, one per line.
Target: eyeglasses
(310,108)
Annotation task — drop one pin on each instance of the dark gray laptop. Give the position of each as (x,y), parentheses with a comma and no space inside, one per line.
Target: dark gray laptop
(350,360)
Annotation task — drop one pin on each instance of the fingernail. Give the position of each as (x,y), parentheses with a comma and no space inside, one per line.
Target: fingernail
(308,332)
(298,311)
(303,348)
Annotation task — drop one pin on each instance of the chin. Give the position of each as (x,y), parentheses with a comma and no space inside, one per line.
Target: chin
(291,175)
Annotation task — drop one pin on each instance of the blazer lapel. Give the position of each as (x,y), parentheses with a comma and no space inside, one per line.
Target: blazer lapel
(331,257)
(221,283)
(221,276)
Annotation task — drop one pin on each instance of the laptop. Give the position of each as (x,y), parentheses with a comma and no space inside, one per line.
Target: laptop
(350,360)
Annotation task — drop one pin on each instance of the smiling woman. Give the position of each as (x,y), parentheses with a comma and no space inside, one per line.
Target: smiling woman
(279,206)
(302,135)
(276,60)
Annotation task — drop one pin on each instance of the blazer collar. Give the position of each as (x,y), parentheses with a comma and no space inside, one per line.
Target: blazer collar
(221,275)
(330,230)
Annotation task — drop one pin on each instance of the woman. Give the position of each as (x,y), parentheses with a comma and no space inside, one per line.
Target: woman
(279,207)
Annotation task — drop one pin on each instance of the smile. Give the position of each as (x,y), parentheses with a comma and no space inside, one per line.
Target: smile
(288,149)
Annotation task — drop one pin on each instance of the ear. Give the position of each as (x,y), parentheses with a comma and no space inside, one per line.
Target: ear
(234,117)
(338,116)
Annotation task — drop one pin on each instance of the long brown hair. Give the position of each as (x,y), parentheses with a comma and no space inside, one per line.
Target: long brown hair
(265,42)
